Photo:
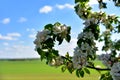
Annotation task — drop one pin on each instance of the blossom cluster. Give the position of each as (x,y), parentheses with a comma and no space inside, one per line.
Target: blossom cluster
(56,61)
(61,30)
(82,52)
(90,21)
(86,35)
(115,71)
(83,10)
(79,58)
(86,45)
(106,60)
(41,37)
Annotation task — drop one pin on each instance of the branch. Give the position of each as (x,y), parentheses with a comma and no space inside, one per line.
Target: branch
(66,58)
(92,67)
(100,69)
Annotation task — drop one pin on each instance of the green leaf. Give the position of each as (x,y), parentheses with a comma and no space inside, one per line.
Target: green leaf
(68,30)
(63,68)
(67,55)
(106,76)
(49,43)
(118,28)
(59,39)
(76,1)
(41,53)
(68,38)
(79,42)
(102,5)
(57,24)
(87,70)
(55,52)
(70,70)
(81,73)
(78,73)
(48,26)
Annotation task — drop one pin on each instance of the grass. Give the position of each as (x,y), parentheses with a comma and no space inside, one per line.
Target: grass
(37,70)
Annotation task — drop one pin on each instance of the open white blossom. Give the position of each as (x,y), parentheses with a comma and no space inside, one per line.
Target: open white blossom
(115,71)
(82,10)
(86,35)
(56,62)
(61,30)
(105,60)
(41,37)
(86,48)
(79,58)
(90,21)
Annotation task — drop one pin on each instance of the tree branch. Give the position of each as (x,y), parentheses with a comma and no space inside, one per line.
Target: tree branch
(100,69)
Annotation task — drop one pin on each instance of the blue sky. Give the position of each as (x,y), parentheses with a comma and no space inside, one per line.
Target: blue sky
(21,19)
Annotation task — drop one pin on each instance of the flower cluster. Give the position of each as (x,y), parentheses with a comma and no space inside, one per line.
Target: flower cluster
(57,31)
(86,35)
(79,58)
(41,37)
(105,58)
(115,71)
(61,30)
(56,61)
(83,10)
(90,21)
(86,46)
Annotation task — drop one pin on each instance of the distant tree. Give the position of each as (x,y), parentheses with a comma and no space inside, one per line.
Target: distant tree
(85,52)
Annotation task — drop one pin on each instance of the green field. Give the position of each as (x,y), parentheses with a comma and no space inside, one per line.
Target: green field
(37,70)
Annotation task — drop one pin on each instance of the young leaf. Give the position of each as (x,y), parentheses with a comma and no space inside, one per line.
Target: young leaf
(55,52)
(59,39)
(57,24)
(87,70)
(48,26)
(81,73)
(63,68)
(76,1)
(78,73)
(68,38)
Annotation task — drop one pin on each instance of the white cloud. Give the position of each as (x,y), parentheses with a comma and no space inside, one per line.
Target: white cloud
(45,9)
(22,19)
(32,36)
(6,37)
(70,6)
(10,36)
(18,51)
(14,34)
(31,30)
(5,44)
(6,20)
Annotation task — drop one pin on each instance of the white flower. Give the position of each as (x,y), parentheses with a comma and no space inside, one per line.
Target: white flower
(38,44)
(105,60)
(61,30)
(86,35)
(85,46)
(79,58)
(56,62)
(90,21)
(115,71)
(82,10)
(41,37)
